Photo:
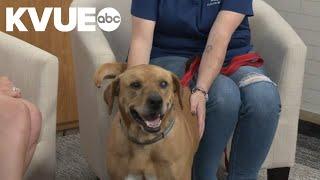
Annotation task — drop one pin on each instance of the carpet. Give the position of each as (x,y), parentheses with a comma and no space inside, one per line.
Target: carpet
(72,165)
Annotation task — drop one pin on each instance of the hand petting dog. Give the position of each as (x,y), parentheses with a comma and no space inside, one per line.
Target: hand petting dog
(198,107)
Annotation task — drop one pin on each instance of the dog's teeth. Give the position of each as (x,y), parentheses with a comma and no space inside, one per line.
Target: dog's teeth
(154,124)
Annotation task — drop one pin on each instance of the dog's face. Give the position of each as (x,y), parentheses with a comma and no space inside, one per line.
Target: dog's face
(146,94)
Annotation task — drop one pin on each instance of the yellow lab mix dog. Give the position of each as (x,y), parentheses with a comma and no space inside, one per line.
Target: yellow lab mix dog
(154,135)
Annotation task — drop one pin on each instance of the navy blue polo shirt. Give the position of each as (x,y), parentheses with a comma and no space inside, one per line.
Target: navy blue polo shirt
(183,26)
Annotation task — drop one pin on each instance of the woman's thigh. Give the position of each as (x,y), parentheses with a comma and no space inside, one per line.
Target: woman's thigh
(15,132)
(14,115)
(20,115)
(35,120)
(175,64)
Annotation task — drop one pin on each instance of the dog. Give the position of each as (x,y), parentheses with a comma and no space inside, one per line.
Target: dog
(154,136)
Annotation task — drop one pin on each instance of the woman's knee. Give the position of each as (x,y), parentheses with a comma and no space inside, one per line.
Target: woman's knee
(36,121)
(224,95)
(261,99)
(14,116)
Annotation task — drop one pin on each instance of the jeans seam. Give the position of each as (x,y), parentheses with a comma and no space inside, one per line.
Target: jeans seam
(233,152)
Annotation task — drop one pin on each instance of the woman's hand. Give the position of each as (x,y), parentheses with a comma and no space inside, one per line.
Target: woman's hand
(198,107)
(7,88)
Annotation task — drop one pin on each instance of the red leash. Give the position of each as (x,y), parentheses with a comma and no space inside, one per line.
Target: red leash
(185,80)
(250,59)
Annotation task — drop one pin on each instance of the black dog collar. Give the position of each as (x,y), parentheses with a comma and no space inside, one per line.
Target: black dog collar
(157,138)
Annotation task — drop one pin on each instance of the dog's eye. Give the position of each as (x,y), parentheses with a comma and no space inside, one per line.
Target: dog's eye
(163,84)
(136,85)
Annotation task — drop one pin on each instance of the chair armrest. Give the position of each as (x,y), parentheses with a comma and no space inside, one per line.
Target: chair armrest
(90,50)
(119,40)
(285,55)
(283,50)
(35,72)
(93,44)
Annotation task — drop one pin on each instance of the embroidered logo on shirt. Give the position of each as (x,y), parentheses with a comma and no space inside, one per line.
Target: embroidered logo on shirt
(213,2)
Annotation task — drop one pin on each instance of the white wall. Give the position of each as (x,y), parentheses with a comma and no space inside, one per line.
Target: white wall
(304,17)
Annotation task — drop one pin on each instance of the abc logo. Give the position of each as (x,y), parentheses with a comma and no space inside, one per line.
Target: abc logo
(109,19)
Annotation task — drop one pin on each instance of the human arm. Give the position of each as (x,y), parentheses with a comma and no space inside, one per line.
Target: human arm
(216,48)
(212,59)
(141,41)
(144,17)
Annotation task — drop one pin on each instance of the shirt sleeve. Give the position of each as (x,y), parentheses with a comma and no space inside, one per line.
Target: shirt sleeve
(239,6)
(145,9)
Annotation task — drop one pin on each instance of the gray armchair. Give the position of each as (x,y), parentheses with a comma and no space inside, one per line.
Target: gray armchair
(282,49)
(35,72)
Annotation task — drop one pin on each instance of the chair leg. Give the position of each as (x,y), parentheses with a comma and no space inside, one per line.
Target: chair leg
(279,173)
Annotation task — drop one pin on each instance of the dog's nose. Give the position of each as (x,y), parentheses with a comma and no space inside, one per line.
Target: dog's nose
(154,101)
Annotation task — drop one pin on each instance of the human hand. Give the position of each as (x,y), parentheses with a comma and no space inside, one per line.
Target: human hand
(7,88)
(198,107)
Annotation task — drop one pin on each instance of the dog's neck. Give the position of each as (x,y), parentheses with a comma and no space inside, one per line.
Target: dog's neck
(138,136)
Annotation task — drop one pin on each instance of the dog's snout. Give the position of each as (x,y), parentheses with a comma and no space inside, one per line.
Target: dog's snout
(155,101)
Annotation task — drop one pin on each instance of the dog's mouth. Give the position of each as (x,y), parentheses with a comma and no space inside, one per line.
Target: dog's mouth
(151,123)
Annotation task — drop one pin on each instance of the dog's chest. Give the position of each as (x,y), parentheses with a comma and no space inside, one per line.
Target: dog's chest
(140,160)
(147,165)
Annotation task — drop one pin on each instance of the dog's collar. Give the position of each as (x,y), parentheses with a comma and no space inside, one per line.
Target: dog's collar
(159,137)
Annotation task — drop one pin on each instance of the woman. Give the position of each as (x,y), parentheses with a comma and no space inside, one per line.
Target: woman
(20,124)
(168,32)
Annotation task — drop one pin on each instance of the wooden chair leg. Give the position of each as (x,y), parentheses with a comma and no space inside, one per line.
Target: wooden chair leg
(279,173)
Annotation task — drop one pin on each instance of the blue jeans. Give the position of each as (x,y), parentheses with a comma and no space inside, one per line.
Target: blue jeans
(245,104)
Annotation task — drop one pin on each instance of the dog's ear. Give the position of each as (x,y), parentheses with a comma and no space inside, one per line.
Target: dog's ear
(109,94)
(108,71)
(178,89)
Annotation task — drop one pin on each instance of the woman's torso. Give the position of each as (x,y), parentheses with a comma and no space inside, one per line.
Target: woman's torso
(183,26)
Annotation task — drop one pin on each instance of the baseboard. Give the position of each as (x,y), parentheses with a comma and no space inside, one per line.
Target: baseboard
(309,129)
(310,117)
(69,125)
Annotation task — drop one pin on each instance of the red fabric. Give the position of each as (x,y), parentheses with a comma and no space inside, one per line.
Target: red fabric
(191,71)
(250,59)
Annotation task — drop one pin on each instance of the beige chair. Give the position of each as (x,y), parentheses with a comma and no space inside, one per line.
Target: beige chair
(35,72)
(273,38)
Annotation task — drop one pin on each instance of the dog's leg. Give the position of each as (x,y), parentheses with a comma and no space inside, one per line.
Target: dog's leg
(148,177)
(134,177)
(140,177)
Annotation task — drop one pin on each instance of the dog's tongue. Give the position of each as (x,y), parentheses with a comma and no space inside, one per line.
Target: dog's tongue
(154,123)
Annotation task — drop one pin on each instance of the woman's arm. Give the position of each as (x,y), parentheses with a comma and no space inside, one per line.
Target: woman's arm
(141,41)
(216,48)
(212,60)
